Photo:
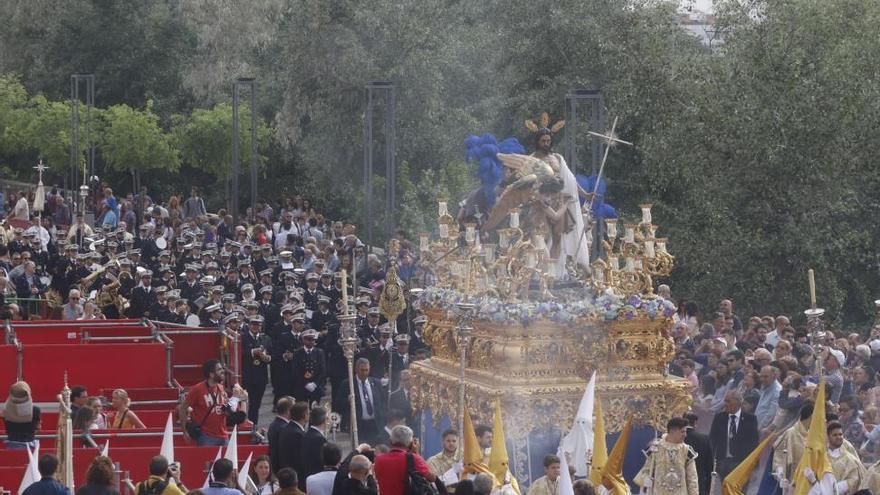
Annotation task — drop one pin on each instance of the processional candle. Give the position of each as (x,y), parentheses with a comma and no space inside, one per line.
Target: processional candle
(423,241)
(649,249)
(646,214)
(611,226)
(630,235)
(442,210)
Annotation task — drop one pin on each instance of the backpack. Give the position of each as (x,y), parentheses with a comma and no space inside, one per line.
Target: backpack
(415,483)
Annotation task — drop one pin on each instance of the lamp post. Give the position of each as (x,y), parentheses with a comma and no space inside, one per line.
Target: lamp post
(349,343)
(464,333)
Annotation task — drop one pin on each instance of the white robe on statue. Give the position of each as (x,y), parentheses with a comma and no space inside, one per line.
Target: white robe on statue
(574,242)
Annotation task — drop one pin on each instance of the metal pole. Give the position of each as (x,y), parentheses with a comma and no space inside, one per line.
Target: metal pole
(253,146)
(233,193)
(390,163)
(368,168)
(464,333)
(74,137)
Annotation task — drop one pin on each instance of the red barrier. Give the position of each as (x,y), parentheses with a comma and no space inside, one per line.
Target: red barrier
(116,331)
(8,366)
(191,350)
(10,476)
(96,366)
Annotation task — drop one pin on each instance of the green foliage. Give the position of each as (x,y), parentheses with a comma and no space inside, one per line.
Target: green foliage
(131,139)
(204,139)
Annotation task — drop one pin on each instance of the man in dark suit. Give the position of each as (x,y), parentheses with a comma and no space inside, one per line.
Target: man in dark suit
(309,369)
(701,445)
(368,399)
(256,355)
(285,342)
(142,297)
(734,434)
(394,417)
(313,441)
(290,439)
(282,407)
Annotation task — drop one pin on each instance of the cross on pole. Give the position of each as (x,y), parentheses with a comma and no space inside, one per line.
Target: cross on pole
(41,168)
(610,140)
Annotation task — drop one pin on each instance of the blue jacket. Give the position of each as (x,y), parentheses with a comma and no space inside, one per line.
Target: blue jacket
(47,486)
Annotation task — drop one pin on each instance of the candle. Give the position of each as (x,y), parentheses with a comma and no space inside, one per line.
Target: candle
(503,239)
(423,241)
(514,218)
(540,245)
(649,249)
(630,265)
(646,213)
(489,249)
(614,263)
(469,233)
(444,231)
(630,234)
(638,264)
(661,245)
(812,276)
(611,225)
(442,209)
(598,274)
(344,292)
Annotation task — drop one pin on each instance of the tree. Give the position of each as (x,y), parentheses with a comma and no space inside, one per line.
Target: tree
(204,139)
(131,139)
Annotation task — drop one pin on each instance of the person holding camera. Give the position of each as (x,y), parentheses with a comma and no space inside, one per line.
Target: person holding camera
(209,403)
(164,479)
(391,469)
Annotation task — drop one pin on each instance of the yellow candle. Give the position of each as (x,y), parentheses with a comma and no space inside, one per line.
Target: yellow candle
(812,275)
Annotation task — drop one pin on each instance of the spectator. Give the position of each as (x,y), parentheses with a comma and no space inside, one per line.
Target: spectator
(123,418)
(48,485)
(768,401)
(21,210)
(312,444)
(223,475)
(73,310)
(483,483)
(464,487)
(834,360)
(79,397)
(21,417)
(194,206)
(291,437)
(391,468)
(582,487)
(99,478)
(287,480)
(261,474)
(322,483)
(282,409)
(164,479)
(358,481)
(206,400)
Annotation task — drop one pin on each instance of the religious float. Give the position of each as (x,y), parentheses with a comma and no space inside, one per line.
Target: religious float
(519,313)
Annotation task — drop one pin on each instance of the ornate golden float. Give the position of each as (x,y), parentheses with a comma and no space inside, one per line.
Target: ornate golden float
(534,345)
